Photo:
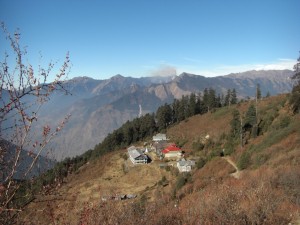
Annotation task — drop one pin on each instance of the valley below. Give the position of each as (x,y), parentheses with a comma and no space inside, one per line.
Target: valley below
(98,107)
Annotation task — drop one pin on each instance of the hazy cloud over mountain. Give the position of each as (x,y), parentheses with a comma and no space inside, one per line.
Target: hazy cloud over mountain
(163,70)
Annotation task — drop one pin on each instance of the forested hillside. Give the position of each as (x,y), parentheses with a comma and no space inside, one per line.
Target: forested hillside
(98,107)
(247,171)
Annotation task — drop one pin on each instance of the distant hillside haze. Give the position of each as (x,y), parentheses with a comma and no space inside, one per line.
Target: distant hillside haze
(9,157)
(97,107)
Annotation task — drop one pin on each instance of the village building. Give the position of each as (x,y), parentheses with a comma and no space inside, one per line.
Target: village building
(172,151)
(185,165)
(137,156)
(160,137)
(158,146)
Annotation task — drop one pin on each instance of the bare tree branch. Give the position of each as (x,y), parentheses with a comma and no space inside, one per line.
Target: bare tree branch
(18,82)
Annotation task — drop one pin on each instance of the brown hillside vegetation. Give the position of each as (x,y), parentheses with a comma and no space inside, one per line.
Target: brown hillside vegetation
(198,127)
(106,177)
(267,190)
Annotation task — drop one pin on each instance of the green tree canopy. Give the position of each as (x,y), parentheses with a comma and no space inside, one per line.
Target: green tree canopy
(235,124)
(164,116)
(233,97)
(250,119)
(258,92)
(192,108)
(295,95)
(227,98)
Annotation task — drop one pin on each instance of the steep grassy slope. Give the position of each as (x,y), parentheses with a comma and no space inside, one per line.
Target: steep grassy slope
(109,176)
(267,190)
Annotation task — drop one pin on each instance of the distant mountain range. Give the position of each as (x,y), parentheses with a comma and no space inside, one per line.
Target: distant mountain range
(9,152)
(97,107)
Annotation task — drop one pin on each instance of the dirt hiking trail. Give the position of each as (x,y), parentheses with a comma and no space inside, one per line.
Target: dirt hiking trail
(237,173)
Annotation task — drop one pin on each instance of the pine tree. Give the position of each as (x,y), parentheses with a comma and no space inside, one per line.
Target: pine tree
(228,98)
(192,105)
(164,116)
(218,101)
(258,92)
(205,100)
(198,104)
(233,99)
(296,76)
(181,109)
(251,121)
(250,116)
(175,111)
(212,103)
(257,98)
(295,99)
(128,133)
(185,106)
(147,125)
(295,95)
(235,124)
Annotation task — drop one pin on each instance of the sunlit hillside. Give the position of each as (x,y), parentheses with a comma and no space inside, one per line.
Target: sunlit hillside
(257,183)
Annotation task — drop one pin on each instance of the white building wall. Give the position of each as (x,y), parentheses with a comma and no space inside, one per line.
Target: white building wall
(172,154)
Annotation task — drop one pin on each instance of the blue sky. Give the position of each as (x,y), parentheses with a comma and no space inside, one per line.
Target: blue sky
(156,37)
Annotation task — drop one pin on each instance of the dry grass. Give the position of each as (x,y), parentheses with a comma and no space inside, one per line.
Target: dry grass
(261,195)
(103,177)
(199,126)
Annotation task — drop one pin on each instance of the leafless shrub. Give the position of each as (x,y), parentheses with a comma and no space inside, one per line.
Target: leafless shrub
(288,179)
(19,81)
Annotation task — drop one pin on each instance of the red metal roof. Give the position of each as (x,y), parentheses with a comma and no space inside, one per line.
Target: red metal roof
(171,148)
